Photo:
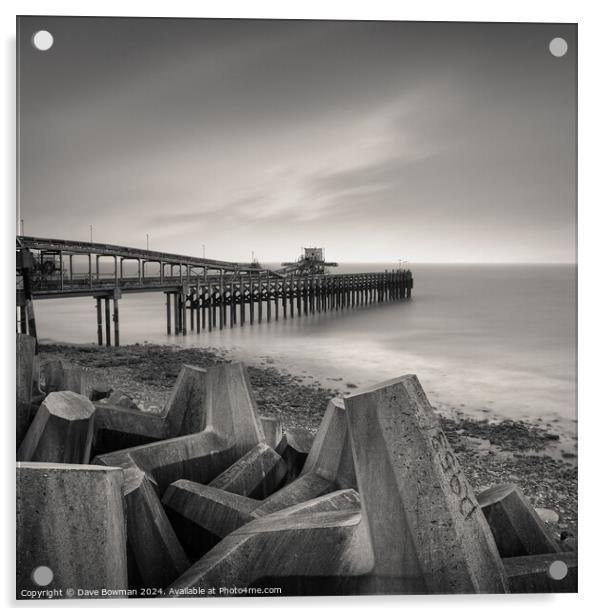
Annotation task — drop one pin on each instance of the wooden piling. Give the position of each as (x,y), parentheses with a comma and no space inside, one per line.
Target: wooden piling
(268,297)
(242,301)
(99,320)
(259,299)
(108,320)
(251,299)
(182,298)
(168,311)
(116,320)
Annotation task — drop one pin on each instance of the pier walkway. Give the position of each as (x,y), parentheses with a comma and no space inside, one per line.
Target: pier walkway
(200,293)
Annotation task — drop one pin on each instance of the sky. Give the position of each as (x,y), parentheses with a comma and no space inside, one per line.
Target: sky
(379,141)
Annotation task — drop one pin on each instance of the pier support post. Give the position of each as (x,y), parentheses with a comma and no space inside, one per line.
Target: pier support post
(222,305)
(108,320)
(198,306)
(168,312)
(259,299)
(269,296)
(251,299)
(99,320)
(182,296)
(116,319)
(242,301)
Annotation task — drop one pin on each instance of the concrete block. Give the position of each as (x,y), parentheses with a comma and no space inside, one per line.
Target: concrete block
(331,455)
(272,428)
(257,474)
(202,515)
(70,518)
(61,375)
(232,428)
(155,556)
(100,391)
(26,348)
(534,573)
(323,542)
(328,465)
(516,527)
(61,431)
(185,413)
(294,448)
(426,527)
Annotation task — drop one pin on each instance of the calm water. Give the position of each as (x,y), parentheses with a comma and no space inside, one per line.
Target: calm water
(500,338)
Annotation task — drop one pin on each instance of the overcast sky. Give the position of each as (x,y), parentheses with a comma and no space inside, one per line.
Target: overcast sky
(378,141)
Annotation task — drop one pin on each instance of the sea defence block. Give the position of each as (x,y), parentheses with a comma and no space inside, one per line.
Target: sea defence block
(26,348)
(70,518)
(325,541)
(185,413)
(61,431)
(232,428)
(427,531)
(257,474)
(202,515)
(294,448)
(516,527)
(61,375)
(536,573)
(272,428)
(328,465)
(155,556)
(100,391)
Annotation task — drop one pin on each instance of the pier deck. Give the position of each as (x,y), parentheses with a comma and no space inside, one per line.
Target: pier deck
(200,293)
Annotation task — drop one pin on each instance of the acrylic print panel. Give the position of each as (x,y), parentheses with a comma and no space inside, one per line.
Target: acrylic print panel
(295,308)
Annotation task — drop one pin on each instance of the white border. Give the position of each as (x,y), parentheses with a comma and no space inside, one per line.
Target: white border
(587,14)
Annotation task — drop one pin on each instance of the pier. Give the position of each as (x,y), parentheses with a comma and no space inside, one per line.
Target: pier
(200,294)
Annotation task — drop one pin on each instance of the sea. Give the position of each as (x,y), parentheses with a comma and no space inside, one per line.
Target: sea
(497,340)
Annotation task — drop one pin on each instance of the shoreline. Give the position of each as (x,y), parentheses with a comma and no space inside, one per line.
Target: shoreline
(491,450)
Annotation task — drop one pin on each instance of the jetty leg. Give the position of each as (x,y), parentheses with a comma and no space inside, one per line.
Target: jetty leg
(168,312)
(108,320)
(182,297)
(211,308)
(116,319)
(268,297)
(198,314)
(260,299)
(284,298)
(99,320)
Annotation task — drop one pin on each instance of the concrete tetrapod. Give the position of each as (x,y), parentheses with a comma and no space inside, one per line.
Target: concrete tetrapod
(61,375)
(202,515)
(70,518)
(426,529)
(256,475)
(516,527)
(26,348)
(61,431)
(272,429)
(294,448)
(321,538)
(231,428)
(185,413)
